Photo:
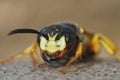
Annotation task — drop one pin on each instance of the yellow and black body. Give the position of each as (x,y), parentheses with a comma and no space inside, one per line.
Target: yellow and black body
(64,43)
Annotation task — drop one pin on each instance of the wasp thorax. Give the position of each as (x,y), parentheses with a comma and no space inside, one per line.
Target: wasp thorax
(52,44)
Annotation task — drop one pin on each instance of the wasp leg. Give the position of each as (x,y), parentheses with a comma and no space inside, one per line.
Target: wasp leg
(107,44)
(34,59)
(43,64)
(78,54)
(11,58)
(30,50)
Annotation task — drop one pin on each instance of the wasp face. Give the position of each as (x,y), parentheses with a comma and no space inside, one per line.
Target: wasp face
(55,41)
(52,40)
(52,44)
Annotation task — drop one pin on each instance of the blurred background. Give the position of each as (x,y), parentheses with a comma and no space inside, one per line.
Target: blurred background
(94,15)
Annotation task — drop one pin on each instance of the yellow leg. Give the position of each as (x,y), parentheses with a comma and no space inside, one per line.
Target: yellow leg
(107,44)
(11,58)
(44,64)
(34,59)
(77,55)
(30,50)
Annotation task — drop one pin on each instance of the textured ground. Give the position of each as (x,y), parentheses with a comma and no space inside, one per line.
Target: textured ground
(20,69)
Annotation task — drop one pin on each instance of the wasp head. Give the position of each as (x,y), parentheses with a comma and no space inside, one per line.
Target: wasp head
(52,40)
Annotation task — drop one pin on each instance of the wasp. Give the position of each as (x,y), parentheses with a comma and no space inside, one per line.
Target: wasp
(64,43)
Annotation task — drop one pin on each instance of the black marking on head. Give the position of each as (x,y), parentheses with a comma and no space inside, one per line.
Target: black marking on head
(58,37)
(61,28)
(69,30)
(52,30)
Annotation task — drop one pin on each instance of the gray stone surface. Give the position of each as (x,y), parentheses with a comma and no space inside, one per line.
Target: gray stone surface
(21,69)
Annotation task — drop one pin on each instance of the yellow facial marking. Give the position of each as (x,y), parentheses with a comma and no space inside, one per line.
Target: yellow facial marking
(52,38)
(81,30)
(51,45)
